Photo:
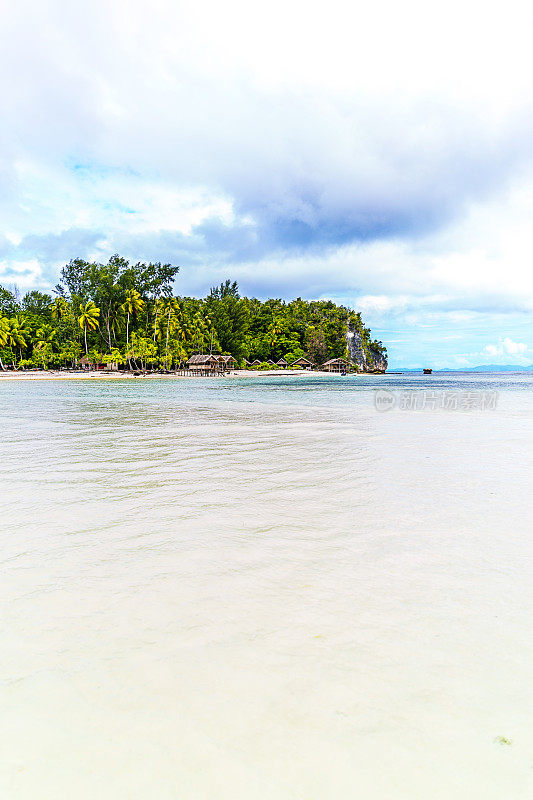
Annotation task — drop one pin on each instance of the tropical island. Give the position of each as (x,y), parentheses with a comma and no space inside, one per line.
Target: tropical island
(126,317)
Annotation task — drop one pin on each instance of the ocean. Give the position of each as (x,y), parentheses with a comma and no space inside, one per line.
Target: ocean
(267,588)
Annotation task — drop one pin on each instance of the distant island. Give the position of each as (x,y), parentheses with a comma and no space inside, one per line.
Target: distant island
(492,368)
(478,368)
(128,316)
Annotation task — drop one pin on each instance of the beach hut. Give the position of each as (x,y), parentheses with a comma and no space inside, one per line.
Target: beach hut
(272,363)
(203,362)
(256,363)
(281,363)
(228,362)
(303,363)
(335,365)
(86,363)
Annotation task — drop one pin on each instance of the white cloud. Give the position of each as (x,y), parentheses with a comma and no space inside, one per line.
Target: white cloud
(293,113)
(506,347)
(25,275)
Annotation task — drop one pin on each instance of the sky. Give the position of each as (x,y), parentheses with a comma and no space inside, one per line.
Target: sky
(378,154)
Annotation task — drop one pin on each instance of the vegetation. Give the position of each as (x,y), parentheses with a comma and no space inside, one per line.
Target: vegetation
(128,314)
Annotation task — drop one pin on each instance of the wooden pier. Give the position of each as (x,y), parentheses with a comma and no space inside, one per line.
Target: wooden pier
(199,373)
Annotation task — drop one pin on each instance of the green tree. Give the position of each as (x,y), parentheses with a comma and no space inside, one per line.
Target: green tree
(316,345)
(171,314)
(37,303)
(69,352)
(9,304)
(158,279)
(59,308)
(229,315)
(132,306)
(142,349)
(88,319)
(42,355)
(17,334)
(4,336)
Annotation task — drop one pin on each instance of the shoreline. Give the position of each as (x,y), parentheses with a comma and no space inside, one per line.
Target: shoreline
(40,375)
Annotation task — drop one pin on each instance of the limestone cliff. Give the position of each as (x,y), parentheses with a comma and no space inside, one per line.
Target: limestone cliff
(365,356)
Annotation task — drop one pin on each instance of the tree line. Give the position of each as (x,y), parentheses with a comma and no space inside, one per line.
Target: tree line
(129,314)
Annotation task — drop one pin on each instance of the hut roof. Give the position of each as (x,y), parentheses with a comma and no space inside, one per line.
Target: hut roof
(202,359)
(281,361)
(256,362)
(303,360)
(335,361)
(271,362)
(227,359)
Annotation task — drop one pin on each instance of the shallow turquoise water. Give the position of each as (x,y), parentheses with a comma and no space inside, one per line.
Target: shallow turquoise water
(266,588)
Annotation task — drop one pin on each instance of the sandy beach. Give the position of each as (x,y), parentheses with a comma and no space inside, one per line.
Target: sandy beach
(99,375)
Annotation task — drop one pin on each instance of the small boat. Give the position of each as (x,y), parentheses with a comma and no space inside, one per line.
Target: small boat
(427,371)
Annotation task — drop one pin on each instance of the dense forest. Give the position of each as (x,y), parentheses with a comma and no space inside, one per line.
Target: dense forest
(128,314)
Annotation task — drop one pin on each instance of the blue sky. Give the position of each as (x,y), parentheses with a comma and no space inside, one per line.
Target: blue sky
(380,156)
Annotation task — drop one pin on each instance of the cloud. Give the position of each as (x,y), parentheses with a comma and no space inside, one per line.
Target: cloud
(377,154)
(25,275)
(315,142)
(506,347)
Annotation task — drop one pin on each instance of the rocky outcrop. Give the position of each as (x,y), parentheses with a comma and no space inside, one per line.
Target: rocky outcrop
(356,351)
(365,358)
(376,362)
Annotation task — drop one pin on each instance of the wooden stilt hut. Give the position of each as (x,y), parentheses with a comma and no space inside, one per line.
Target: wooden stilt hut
(303,363)
(204,363)
(335,365)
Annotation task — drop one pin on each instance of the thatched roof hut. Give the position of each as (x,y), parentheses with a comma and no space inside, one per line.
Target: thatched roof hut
(203,361)
(256,363)
(335,365)
(281,363)
(303,363)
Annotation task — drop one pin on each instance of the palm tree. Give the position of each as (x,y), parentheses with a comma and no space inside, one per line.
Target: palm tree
(172,312)
(274,330)
(58,308)
(199,331)
(4,334)
(131,306)
(182,333)
(45,335)
(16,334)
(88,319)
(158,306)
(115,316)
